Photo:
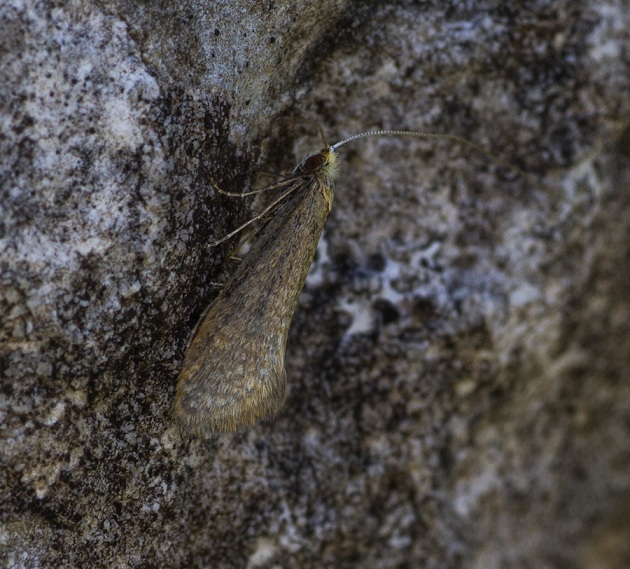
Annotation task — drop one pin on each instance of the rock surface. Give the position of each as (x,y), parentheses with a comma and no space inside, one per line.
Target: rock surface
(459,363)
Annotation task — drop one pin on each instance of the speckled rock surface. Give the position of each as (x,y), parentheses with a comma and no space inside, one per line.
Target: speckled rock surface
(459,363)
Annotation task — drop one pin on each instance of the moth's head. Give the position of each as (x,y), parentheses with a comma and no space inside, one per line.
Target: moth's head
(322,163)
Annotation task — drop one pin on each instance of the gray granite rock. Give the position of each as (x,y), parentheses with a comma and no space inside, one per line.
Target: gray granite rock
(459,363)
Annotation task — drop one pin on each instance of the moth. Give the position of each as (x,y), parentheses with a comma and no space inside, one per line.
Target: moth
(233,372)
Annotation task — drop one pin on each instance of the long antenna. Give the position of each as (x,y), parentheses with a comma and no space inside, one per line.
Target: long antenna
(429,136)
(413,133)
(531,178)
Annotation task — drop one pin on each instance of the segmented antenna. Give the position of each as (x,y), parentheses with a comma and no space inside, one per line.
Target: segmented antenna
(532,179)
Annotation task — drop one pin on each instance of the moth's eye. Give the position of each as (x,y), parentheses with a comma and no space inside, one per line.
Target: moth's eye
(312,163)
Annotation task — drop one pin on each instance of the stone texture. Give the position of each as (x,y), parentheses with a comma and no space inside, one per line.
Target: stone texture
(458,366)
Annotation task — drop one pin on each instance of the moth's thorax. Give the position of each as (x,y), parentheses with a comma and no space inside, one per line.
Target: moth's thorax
(322,163)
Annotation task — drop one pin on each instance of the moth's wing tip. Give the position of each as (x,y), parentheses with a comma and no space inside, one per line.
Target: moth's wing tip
(236,409)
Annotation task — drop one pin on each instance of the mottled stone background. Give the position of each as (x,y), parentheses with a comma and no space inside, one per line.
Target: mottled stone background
(459,366)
